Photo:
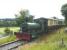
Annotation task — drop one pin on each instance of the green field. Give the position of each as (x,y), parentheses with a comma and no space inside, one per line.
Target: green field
(14,29)
(50,42)
(8,38)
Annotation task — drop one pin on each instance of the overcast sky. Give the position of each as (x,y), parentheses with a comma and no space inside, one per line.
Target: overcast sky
(38,8)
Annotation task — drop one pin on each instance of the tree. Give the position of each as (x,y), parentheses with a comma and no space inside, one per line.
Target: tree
(31,18)
(23,17)
(64,12)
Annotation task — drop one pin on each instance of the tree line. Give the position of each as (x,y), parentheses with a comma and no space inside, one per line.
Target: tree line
(8,23)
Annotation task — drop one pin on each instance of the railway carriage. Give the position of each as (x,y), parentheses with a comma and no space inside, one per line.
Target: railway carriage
(52,24)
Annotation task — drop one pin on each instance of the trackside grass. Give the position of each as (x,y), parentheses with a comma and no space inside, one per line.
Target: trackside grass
(7,39)
(50,42)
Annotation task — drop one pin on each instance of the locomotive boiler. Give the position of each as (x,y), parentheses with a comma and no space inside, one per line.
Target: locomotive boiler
(31,28)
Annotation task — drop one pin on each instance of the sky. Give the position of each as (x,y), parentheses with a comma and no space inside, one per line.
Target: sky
(38,8)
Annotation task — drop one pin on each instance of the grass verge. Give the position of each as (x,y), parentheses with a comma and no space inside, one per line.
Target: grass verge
(49,42)
(7,39)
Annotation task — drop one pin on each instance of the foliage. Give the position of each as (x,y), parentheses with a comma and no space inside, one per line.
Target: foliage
(31,18)
(64,12)
(23,17)
(7,30)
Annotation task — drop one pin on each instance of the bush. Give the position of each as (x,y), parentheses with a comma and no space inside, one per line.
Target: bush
(7,30)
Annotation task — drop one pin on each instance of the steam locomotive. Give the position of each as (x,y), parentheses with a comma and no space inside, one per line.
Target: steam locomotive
(30,30)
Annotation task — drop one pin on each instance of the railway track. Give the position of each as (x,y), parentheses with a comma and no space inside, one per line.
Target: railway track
(11,45)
